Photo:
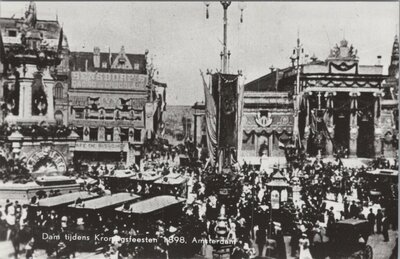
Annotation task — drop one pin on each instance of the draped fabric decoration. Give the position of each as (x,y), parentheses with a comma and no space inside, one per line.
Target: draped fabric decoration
(318,129)
(60,41)
(240,116)
(125,103)
(226,98)
(211,122)
(342,66)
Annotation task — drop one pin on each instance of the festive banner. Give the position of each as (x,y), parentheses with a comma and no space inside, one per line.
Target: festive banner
(225,92)
(240,116)
(211,122)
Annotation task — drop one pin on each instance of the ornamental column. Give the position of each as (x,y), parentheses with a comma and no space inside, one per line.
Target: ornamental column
(329,122)
(50,103)
(353,124)
(378,131)
(307,124)
(25,100)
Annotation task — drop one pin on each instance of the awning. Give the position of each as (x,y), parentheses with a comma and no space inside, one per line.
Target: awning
(146,176)
(384,172)
(152,204)
(65,199)
(121,174)
(171,179)
(107,201)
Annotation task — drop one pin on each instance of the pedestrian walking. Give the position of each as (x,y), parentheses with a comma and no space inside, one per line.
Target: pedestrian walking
(379,217)
(371,219)
(385,228)
(261,237)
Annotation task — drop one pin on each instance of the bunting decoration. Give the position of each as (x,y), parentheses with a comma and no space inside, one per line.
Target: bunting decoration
(211,122)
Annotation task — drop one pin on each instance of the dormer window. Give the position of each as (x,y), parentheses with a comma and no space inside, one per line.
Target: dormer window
(136,66)
(104,64)
(121,61)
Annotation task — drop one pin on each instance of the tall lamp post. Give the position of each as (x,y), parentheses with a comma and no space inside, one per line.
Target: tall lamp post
(225,54)
(296,59)
(219,250)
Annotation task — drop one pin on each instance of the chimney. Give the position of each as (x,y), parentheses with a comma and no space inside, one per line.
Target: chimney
(96,57)
(378,62)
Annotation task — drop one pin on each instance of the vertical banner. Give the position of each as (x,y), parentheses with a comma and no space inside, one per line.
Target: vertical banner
(228,110)
(240,116)
(225,93)
(211,122)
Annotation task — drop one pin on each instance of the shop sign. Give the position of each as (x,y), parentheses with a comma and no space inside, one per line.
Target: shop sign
(100,146)
(96,80)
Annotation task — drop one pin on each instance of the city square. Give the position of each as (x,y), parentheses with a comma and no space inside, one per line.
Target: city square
(199,130)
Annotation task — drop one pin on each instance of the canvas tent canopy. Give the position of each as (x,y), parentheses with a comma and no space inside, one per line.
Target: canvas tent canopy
(108,201)
(147,176)
(121,174)
(171,179)
(152,205)
(384,172)
(65,199)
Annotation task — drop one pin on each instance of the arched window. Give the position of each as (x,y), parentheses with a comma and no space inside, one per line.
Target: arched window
(58,91)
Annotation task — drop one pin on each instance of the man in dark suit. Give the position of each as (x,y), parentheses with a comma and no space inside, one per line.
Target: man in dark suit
(379,217)
(353,210)
(371,220)
(385,228)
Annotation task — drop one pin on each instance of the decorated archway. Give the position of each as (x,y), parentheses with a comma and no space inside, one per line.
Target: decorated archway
(47,159)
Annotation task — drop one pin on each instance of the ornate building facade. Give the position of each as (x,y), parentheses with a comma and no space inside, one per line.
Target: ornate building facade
(58,105)
(114,105)
(325,106)
(34,66)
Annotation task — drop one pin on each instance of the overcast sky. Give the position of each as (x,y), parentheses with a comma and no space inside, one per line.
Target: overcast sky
(181,40)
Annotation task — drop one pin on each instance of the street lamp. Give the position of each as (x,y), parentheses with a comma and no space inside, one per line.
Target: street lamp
(242,6)
(225,5)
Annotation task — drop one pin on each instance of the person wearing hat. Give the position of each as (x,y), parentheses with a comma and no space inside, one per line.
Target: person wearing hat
(11,220)
(294,240)
(304,244)
(116,239)
(80,224)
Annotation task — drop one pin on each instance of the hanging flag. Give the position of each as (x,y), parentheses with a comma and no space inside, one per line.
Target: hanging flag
(2,51)
(60,40)
(225,94)
(109,58)
(211,122)
(240,116)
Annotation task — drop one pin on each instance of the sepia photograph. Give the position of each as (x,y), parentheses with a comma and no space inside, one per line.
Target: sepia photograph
(191,129)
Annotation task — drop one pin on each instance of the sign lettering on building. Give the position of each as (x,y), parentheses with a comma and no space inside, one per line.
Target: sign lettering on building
(100,146)
(95,80)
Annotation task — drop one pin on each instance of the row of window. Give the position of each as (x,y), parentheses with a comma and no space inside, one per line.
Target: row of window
(109,114)
(110,134)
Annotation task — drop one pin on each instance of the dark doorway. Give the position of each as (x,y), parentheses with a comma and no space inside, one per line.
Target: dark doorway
(341,120)
(365,119)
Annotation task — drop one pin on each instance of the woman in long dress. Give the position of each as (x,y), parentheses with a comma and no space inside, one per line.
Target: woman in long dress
(304,244)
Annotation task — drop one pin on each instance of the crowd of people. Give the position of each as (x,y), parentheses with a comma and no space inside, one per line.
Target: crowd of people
(234,206)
